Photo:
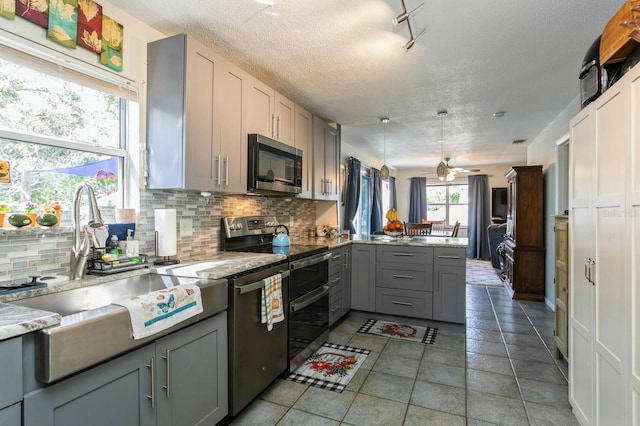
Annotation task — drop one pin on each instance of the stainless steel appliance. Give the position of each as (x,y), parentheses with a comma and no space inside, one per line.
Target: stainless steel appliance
(273,167)
(308,315)
(256,356)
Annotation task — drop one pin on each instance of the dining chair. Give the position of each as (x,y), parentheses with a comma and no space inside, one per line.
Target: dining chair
(456,228)
(437,226)
(414,229)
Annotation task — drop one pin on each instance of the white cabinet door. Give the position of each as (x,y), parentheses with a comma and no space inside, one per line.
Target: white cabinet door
(303,131)
(581,305)
(610,282)
(260,109)
(284,120)
(633,202)
(231,93)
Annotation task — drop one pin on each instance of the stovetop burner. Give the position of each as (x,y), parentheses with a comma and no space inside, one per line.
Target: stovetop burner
(254,234)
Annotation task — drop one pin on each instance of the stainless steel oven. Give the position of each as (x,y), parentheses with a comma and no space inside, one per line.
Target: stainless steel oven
(308,307)
(273,166)
(308,289)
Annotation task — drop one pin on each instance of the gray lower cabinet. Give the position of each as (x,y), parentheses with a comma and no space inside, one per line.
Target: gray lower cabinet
(180,379)
(449,294)
(340,283)
(11,415)
(11,382)
(404,281)
(363,279)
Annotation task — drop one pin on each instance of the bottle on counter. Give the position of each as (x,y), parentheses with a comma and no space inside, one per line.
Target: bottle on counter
(114,246)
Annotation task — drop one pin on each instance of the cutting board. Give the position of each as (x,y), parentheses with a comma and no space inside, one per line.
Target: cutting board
(616,42)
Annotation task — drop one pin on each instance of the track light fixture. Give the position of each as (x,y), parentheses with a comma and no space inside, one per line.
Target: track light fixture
(405,16)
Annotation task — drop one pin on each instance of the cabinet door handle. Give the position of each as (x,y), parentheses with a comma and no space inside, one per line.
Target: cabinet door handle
(168,371)
(218,169)
(448,257)
(403,254)
(278,127)
(335,281)
(336,257)
(593,272)
(395,302)
(273,117)
(226,171)
(409,277)
(335,308)
(586,271)
(152,367)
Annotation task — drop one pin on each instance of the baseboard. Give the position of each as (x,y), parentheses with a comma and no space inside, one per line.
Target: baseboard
(550,304)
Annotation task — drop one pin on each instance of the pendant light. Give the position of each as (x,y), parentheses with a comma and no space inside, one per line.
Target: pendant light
(441,170)
(384,170)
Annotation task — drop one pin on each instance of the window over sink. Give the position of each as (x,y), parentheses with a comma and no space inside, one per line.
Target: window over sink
(59,127)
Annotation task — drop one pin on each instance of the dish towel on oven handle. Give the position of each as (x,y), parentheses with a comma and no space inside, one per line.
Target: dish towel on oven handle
(159,310)
(271,310)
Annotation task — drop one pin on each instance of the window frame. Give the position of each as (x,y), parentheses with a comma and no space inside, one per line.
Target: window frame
(446,204)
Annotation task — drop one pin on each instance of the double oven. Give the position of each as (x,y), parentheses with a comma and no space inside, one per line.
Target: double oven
(305,293)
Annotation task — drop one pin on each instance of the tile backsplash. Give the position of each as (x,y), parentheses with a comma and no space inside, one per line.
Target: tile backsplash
(38,252)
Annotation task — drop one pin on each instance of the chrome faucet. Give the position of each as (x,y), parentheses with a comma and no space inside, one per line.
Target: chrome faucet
(80,249)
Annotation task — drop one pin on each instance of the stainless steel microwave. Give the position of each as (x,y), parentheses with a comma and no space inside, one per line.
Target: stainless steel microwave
(273,167)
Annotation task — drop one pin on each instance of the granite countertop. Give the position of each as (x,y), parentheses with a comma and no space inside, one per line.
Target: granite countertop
(17,320)
(221,265)
(428,241)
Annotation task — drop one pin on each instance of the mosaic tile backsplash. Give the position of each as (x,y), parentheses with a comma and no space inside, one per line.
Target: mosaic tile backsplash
(40,252)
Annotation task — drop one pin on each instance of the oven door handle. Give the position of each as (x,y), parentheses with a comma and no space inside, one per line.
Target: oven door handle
(309,298)
(247,288)
(308,261)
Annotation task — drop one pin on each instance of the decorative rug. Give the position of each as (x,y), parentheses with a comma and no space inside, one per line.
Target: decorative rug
(331,367)
(396,330)
(480,272)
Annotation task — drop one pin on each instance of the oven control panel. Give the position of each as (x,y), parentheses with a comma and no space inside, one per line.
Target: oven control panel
(238,226)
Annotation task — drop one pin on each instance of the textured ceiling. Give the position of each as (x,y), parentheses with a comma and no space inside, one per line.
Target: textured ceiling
(343,60)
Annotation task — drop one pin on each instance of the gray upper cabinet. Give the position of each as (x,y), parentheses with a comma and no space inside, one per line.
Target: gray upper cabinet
(326,158)
(195,118)
(303,139)
(270,114)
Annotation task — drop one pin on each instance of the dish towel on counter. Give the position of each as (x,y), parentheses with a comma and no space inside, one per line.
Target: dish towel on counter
(272,310)
(159,310)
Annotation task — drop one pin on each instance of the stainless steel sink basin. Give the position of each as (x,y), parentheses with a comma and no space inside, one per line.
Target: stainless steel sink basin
(93,330)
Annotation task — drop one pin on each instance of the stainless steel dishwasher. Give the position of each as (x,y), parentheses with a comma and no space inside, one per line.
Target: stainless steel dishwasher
(256,356)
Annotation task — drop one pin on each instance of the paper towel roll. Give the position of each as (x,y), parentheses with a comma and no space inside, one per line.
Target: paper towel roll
(166,231)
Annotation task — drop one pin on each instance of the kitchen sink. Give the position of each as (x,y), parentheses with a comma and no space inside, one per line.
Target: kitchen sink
(93,330)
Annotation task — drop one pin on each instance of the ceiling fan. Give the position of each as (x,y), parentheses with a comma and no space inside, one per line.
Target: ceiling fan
(445,172)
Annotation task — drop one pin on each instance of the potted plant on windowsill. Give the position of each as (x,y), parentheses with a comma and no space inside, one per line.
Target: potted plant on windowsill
(4,208)
(29,208)
(55,209)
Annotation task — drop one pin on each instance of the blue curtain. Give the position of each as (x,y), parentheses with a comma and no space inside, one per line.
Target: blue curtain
(418,199)
(376,200)
(352,197)
(479,217)
(393,199)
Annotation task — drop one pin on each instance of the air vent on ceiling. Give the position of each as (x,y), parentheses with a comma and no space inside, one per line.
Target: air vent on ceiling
(518,141)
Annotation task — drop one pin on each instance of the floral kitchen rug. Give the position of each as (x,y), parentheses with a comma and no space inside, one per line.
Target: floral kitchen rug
(331,367)
(396,330)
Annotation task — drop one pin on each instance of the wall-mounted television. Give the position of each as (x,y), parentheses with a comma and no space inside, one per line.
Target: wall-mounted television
(499,203)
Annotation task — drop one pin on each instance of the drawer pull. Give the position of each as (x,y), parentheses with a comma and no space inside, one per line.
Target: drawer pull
(335,281)
(336,257)
(403,254)
(335,308)
(395,302)
(449,257)
(410,277)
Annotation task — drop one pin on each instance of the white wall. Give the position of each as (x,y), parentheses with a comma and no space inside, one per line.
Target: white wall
(543,150)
